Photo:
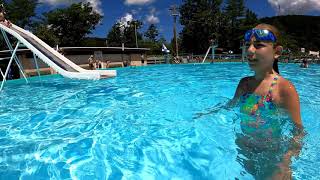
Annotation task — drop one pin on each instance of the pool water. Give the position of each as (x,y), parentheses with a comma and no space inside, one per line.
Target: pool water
(140,125)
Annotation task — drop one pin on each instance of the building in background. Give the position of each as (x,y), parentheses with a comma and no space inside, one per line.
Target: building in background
(108,57)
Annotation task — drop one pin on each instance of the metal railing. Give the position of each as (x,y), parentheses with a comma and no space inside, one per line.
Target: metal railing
(198,58)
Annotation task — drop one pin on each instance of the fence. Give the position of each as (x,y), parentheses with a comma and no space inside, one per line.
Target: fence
(191,58)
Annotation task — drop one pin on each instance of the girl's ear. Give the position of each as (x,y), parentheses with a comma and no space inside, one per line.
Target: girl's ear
(278,51)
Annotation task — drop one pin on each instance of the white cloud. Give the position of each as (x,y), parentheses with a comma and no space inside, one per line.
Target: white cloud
(124,22)
(134,12)
(125,19)
(95,4)
(138,2)
(152,19)
(153,11)
(54,2)
(284,7)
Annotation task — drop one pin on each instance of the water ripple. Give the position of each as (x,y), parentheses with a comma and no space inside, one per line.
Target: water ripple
(139,125)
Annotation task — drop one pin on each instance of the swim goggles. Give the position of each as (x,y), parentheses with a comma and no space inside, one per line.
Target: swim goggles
(260,35)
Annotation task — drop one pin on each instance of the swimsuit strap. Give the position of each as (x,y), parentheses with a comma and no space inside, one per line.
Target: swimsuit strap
(268,97)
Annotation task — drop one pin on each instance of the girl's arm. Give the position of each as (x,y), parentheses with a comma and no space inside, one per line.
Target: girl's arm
(290,102)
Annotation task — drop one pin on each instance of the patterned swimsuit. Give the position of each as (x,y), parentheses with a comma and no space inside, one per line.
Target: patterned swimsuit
(256,112)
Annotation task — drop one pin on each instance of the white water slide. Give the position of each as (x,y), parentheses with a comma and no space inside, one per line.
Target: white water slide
(54,59)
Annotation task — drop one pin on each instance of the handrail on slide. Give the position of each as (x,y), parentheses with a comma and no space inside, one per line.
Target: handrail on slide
(54,59)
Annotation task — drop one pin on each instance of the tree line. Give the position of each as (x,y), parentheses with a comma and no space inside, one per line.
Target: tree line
(65,27)
(226,21)
(70,26)
(201,20)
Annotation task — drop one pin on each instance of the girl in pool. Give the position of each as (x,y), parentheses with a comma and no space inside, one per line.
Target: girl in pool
(304,64)
(260,96)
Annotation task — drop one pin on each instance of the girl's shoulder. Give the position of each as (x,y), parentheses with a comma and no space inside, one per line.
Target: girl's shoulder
(286,88)
(244,84)
(246,79)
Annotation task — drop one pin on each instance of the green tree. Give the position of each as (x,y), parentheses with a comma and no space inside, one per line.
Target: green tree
(241,8)
(94,42)
(234,12)
(130,33)
(162,40)
(70,25)
(297,31)
(124,33)
(250,19)
(155,46)
(20,12)
(44,32)
(152,33)
(231,10)
(248,22)
(114,37)
(202,21)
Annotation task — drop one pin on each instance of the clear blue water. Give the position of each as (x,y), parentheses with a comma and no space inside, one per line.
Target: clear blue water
(139,125)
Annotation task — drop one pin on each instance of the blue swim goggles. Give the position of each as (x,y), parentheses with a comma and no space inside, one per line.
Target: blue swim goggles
(260,35)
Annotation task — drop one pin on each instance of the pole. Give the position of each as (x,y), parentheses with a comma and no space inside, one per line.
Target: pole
(213,49)
(214,45)
(208,51)
(174,13)
(36,63)
(135,31)
(243,48)
(166,57)
(122,51)
(15,56)
(175,35)
(4,79)
(9,65)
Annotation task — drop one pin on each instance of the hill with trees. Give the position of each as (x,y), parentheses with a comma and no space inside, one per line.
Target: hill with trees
(297,31)
(227,22)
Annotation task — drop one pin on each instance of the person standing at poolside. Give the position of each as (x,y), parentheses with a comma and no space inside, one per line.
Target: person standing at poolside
(91,62)
(261,97)
(98,64)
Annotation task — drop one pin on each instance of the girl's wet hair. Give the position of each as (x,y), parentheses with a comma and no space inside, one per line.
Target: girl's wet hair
(276,32)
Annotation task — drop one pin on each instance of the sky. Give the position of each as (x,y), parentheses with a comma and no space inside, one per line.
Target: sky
(157,11)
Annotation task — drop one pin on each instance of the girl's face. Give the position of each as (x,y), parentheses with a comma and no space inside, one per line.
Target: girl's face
(261,55)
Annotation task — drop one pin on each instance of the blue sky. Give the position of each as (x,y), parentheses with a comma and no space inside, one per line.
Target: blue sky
(156,11)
